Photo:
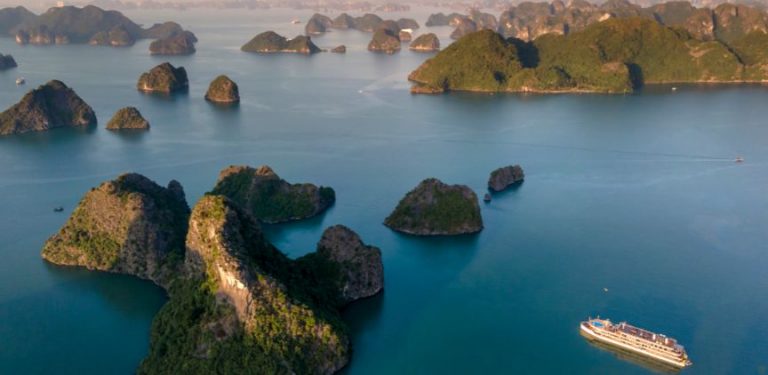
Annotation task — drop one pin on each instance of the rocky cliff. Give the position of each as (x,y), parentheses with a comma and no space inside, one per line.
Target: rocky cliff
(52,105)
(435,208)
(118,36)
(128,225)
(361,271)
(243,306)
(385,40)
(223,90)
(164,78)
(425,43)
(7,62)
(269,198)
(505,177)
(182,43)
(128,118)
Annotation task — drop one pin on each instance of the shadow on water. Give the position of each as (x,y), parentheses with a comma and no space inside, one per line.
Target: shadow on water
(131,135)
(127,295)
(311,224)
(644,362)
(55,136)
(508,191)
(181,96)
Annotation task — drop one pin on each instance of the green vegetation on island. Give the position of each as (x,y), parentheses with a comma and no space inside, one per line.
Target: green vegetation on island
(271,42)
(182,43)
(236,303)
(52,105)
(70,24)
(269,198)
(425,43)
(164,78)
(223,90)
(435,208)
(128,225)
(128,118)
(614,56)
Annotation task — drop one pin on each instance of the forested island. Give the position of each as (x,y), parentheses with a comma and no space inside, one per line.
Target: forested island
(236,303)
(617,55)
(89,24)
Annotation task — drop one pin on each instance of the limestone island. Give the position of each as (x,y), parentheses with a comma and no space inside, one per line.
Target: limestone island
(319,24)
(617,55)
(70,24)
(7,62)
(236,303)
(164,78)
(271,42)
(441,19)
(52,105)
(182,43)
(386,38)
(269,198)
(505,177)
(223,90)
(128,118)
(434,208)
(425,43)
(129,225)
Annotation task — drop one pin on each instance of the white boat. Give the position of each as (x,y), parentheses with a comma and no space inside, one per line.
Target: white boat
(636,340)
(20,81)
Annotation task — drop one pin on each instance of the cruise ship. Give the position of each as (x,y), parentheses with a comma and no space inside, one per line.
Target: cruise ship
(636,340)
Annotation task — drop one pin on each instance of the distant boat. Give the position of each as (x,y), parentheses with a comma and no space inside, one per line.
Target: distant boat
(20,81)
(487,197)
(295,21)
(58,209)
(739,159)
(674,88)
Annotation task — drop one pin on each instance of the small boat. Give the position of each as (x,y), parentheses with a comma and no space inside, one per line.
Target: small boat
(487,197)
(295,21)
(20,81)
(58,209)
(674,88)
(739,159)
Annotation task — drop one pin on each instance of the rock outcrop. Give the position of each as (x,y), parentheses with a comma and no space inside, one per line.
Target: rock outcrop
(339,49)
(164,78)
(466,26)
(505,177)
(361,268)
(128,118)
(425,43)
(435,208)
(318,24)
(405,36)
(182,43)
(7,62)
(343,21)
(243,305)
(269,198)
(52,105)
(237,304)
(384,40)
(129,225)
(118,36)
(223,90)
(271,42)
(408,23)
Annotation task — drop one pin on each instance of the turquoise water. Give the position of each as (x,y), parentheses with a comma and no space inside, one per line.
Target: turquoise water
(638,194)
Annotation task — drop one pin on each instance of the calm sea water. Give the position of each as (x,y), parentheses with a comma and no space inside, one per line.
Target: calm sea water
(638,194)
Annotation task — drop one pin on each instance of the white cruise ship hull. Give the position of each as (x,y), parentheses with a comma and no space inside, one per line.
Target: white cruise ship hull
(590,334)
